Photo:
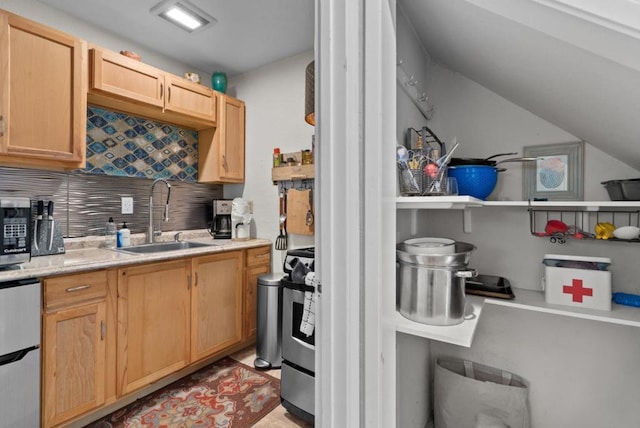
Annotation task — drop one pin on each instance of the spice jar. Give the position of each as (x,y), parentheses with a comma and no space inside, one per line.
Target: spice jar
(307,157)
(276,157)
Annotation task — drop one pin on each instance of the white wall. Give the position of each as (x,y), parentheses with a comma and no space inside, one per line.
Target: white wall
(582,373)
(484,124)
(54,18)
(274,96)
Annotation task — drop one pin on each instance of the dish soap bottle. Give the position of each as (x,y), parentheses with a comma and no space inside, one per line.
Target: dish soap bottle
(110,232)
(124,236)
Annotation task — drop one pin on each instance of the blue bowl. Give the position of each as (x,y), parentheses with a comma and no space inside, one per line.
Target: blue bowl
(475,180)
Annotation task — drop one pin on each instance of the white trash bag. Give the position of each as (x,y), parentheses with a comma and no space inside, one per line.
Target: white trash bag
(472,395)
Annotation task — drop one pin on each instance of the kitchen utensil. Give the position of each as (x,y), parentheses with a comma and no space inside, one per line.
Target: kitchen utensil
(459,258)
(516,160)
(51,223)
(475,180)
(284,225)
(409,185)
(479,161)
(623,190)
(490,286)
(281,240)
(431,287)
(444,160)
(38,223)
(309,219)
(429,245)
(452,187)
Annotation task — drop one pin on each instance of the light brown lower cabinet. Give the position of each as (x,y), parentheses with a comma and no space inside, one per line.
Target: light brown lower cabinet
(74,346)
(258,263)
(108,333)
(153,323)
(216,303)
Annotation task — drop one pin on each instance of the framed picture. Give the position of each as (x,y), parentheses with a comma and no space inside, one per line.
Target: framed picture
(557,173)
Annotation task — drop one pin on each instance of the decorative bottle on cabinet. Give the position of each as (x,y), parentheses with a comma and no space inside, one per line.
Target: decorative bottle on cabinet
(219,81)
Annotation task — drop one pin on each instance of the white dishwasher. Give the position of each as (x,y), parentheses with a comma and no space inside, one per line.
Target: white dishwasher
(20,353)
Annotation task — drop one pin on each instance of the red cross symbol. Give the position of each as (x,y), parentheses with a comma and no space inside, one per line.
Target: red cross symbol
(576,290)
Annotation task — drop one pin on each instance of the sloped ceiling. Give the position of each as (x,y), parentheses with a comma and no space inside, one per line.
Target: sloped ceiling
(576,68)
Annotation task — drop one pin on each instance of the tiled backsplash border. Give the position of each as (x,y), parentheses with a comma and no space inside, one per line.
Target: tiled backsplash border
(127,146)
(84,202)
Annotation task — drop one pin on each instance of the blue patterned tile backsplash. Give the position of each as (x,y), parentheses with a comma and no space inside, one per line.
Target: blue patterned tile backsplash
(122,145)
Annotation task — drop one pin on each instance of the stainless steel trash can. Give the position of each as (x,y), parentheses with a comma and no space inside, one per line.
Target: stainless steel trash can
(269,323)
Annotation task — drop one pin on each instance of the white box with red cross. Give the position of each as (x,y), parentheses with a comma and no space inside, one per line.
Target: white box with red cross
(582,282)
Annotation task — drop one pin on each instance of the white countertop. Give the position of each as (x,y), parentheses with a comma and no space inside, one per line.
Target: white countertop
(84,254)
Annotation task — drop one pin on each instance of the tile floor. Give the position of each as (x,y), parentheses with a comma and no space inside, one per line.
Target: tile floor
(279,417)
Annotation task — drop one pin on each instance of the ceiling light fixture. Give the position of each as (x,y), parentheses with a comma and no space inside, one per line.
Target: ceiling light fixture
(183,14)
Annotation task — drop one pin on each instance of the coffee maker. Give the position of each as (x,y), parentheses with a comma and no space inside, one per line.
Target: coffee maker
(221,224)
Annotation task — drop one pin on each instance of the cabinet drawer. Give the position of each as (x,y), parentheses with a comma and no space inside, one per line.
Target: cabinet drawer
(72,289)
(259,256)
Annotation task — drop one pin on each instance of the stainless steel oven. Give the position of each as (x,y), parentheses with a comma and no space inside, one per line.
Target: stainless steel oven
(297,382)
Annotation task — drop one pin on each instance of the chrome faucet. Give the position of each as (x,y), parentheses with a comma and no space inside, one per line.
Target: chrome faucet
(151,232)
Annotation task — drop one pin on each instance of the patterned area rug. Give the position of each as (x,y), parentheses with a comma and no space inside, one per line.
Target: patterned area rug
(226,394)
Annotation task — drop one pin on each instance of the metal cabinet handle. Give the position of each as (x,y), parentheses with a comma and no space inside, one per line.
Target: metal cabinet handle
(103,330)
(169,94)
(2,125)
(224,162)
(78,288)
(161,90)
(195,284)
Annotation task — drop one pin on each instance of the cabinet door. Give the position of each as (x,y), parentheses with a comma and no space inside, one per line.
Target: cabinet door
(153,323)
(43,95)
(251,298)
(73,362)
(190,98)
(216,303)
(126,78)
(221,149)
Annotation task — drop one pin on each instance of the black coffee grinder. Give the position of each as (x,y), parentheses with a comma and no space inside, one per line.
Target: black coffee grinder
(221,224)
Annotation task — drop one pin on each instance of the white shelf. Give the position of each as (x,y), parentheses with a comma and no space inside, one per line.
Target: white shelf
(534,301)
(437,202)
(460,334)
(462,202)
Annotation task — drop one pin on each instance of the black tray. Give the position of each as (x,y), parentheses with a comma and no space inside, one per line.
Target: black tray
(489,286)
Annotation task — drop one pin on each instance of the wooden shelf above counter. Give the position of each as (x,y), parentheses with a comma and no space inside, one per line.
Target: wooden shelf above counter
(296,172)
(293,172)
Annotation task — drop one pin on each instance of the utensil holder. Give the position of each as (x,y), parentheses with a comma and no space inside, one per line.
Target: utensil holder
(410,181)
(435,186)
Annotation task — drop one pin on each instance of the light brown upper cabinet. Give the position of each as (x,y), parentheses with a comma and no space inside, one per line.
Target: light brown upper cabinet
(124,84)
(43,95)
(221,150)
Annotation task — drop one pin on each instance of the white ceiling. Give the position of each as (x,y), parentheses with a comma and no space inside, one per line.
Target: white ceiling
(248,34)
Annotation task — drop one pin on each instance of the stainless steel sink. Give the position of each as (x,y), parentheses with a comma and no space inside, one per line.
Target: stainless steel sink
(163,246)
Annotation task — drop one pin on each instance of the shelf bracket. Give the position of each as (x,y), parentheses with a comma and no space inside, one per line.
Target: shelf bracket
(466,221)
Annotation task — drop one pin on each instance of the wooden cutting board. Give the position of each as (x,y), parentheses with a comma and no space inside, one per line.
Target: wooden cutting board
(297,207)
